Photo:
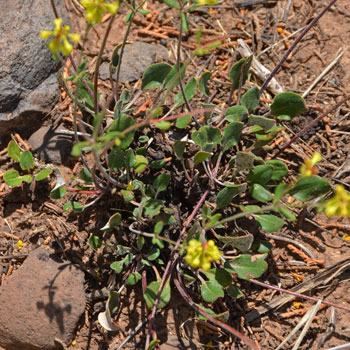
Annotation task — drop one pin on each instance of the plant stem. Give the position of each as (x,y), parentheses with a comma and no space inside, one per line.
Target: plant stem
(245,213)
(121,56)
(226,327)
(98,61)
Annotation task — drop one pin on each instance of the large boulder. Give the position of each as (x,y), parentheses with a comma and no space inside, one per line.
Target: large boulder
(28,86)
(41,303)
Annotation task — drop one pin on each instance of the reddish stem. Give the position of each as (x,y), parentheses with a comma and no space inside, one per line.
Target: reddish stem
(83,192)
(226,327)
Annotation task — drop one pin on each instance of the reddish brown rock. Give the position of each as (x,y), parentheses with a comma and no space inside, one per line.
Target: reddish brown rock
(40,302)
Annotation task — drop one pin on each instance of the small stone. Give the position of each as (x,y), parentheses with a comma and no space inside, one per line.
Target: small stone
(136,58)
(40,302)
(51,146)
(175,343)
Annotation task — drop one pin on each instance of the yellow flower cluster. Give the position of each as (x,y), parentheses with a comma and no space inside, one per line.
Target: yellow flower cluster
(340,204)
(308,168)
(60,42)
(95,9)
(202,254)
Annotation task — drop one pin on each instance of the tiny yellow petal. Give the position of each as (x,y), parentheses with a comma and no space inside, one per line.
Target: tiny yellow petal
(19,244)
(67,47)
(75,37)
(45,34)
(112,8)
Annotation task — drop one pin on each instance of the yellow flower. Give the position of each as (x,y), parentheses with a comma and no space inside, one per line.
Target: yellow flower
(206,2)
(308,168)
(340,204)
(202,254)
(96,8)
(19,244)
(60,42)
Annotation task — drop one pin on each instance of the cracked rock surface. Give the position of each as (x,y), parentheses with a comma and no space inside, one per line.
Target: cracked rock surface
(28,85)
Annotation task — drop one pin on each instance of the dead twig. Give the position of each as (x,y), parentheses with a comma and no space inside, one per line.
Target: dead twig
(340,53)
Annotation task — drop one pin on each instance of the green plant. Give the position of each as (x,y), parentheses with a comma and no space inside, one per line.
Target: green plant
(225,158)
(31,169)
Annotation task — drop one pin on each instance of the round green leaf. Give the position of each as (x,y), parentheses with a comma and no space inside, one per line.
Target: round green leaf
(75,206)
(308,188)
(42,174)
(172,3)
(120,124)
(286,213)
(231,135)
(288,103)
(152,207)
(140,164)
(128,195)
(113,221)
(14,151)
(58,193)
(152,291)
(179,148)
(153,254)
(161,182)
(268,222)
(261,174)
(154,75)
(279,171)
(26,160)
(201,157)
(223,277)
(12,178)
(258,121)
(211,290)
(245,264)
(203,83)
(234,292)
(163,125)
(260,193)
(189,89)
(117,266)
(182,122)
(251,99)
(236,114)
(95,242)
(115,158)
(225,196)
(133,278)
(237,70)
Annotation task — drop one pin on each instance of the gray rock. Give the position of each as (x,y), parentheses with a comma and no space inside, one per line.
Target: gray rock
(40,302)
(136,58)
(26,64)
(52,146)
(175,343)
